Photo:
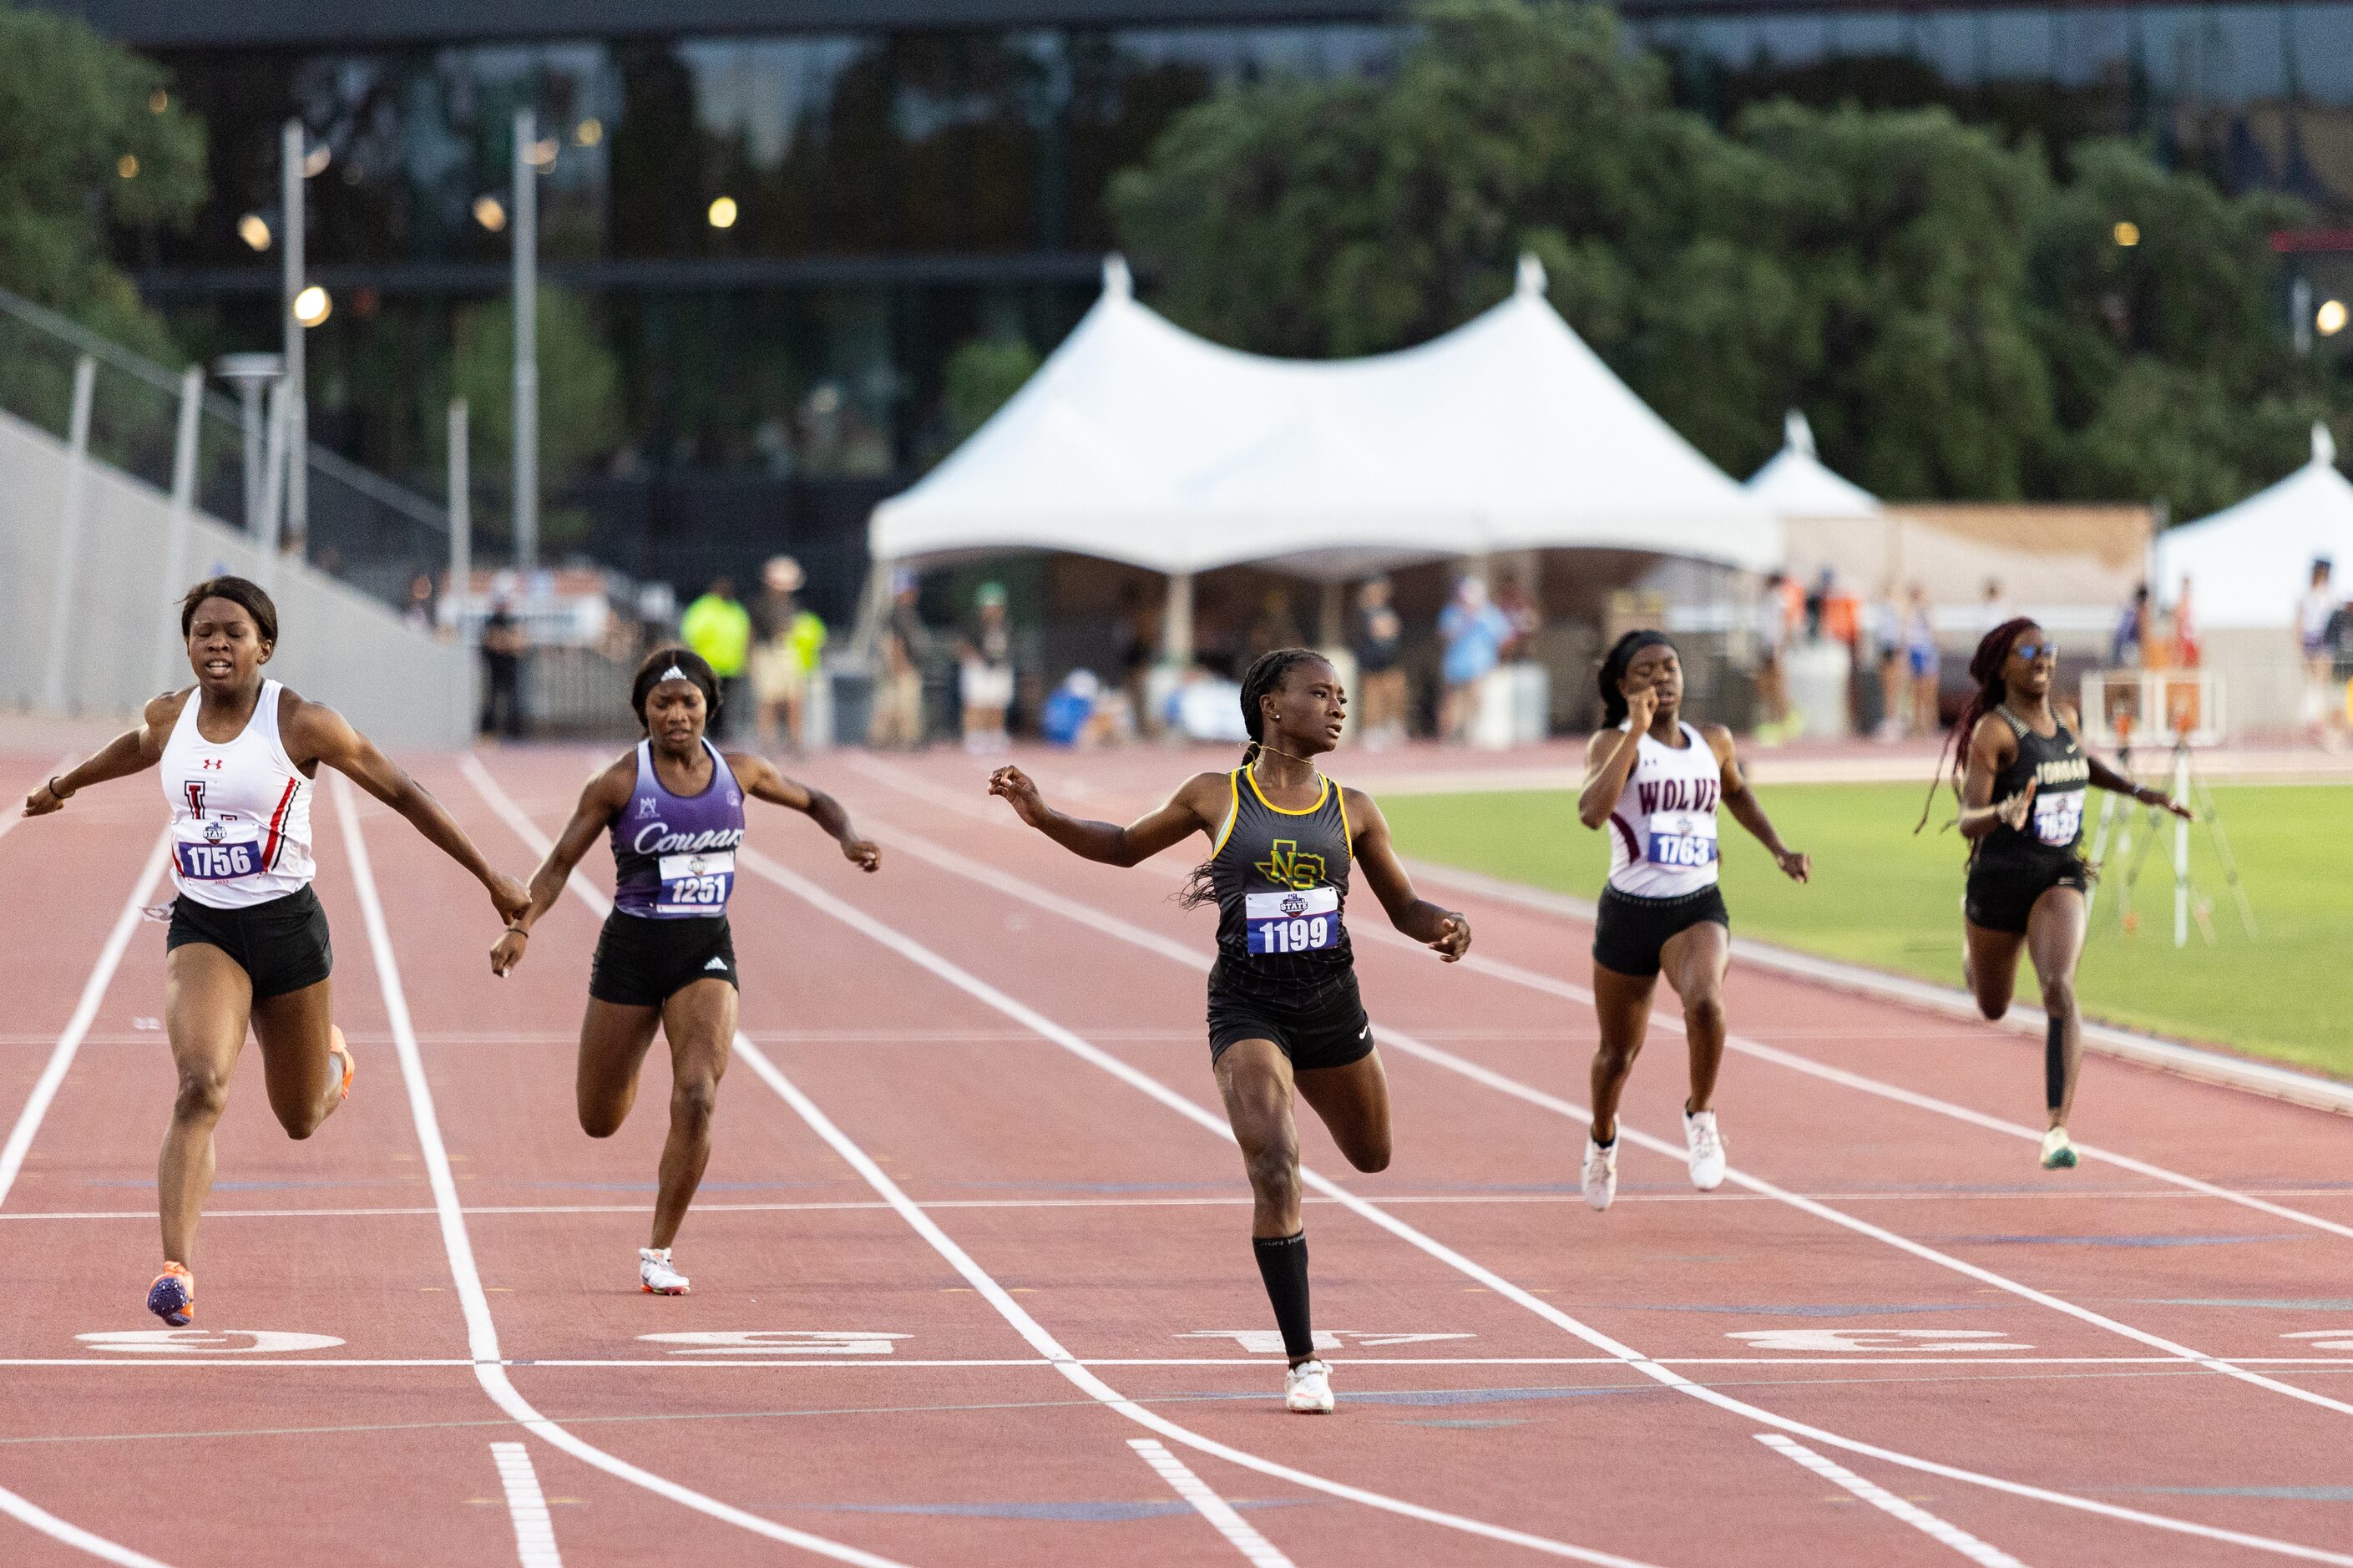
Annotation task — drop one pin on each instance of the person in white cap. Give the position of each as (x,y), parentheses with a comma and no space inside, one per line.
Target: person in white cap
(785,658)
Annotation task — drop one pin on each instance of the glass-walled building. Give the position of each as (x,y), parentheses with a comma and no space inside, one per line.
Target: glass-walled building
(783,217)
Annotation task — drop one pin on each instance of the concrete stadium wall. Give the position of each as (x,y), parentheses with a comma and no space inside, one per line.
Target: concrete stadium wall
(402,686)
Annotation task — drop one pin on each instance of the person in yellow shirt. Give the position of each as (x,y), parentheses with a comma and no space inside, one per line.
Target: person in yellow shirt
(785,659)
(718,627)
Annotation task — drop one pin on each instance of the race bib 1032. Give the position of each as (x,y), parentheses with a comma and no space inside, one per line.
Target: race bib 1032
(1293,920)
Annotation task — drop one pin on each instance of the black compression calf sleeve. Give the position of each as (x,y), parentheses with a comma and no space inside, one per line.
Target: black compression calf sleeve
(1283,1264)
(2054,1063)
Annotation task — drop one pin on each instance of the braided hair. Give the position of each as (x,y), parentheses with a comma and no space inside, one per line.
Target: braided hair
(1985,668)
(1613,670)
(1266,674)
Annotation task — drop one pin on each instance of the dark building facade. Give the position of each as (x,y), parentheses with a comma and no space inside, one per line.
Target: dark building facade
(910,175)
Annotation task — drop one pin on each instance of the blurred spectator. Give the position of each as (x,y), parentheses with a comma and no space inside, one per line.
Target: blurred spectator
(503,645)
(1520,614)
(1472,632)
(784,658)
(1084,713)
(719,628)
(422,600)
(1921,660)
(1887,648)
(657,614)
(1136,635)
(2336,712)
(2127,645)
(986,679)
(2314,612)
(1380,672)
(2189,648)
(903,648)
(1772,628)
(1274,625)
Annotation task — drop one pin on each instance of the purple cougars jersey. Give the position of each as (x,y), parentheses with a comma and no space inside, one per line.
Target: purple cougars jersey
(674,855)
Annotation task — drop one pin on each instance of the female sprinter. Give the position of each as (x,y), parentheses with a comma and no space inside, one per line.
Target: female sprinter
(1284,1008)
(247,943)
(674,806)
(2022,812)
(1657,781)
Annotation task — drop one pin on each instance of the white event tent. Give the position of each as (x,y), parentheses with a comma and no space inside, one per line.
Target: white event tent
(1137,441)
(2248,564)
(1796,483)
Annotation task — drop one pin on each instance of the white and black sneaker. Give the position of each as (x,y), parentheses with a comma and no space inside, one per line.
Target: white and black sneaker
(1706,1146)
(1600,1172)
(1307,1389)
(655,1274)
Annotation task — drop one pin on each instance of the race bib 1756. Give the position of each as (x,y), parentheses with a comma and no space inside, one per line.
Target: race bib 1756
(696,884)
(1292,921)
(219,862)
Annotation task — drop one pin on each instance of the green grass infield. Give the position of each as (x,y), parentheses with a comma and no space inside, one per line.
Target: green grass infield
(1882,896)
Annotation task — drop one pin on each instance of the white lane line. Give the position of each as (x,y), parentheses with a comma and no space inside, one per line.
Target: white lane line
(20,1140)
(1879,1497)
(535,1529)
(1101,921)
(1012,1311)
(1253,1546)
(93,992)
(73,1536)
(884,1364)
(1092,919)
(481,1332)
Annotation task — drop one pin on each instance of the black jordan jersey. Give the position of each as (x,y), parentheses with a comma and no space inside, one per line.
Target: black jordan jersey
(1282,881)
(2062,774)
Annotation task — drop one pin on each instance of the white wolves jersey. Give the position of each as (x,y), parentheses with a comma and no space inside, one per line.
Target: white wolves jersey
(240,810)
(1663,830)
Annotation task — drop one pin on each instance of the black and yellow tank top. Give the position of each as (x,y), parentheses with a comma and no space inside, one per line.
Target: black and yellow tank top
(1282,881)
(2062,774)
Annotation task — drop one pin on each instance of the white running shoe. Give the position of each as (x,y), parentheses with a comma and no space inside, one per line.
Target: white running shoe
(655,1275)
(1600,1172)
(1706,1146)
(1307,1389)
(2058,1151)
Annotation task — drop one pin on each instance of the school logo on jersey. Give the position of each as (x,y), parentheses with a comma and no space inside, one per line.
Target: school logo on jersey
(194,789)
(1286,866)
(647,806)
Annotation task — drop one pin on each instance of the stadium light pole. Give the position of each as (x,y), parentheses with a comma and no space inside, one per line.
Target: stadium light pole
(297,518)
(526,342)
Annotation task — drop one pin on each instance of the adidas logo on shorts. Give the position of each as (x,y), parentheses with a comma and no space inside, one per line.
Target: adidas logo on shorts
(718,964)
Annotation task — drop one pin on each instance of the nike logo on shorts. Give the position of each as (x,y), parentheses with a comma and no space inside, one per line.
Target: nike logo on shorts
(1366,1033)
(718,964)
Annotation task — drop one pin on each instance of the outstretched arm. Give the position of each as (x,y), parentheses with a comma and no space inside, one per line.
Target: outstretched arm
(1198,807)
(761,780)
(133,751)
(315,733)
(2108,778)
(604,797)
(1747,811)
(1446,932)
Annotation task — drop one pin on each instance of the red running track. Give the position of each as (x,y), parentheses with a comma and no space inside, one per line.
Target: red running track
(973,1233)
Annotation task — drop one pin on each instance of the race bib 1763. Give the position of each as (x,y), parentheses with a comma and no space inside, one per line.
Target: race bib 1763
(2059,818)
(1292,921)
(1681,842)
(696,884)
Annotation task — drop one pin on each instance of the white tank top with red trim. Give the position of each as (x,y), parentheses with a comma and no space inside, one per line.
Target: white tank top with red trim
(240,810)
(1663,831)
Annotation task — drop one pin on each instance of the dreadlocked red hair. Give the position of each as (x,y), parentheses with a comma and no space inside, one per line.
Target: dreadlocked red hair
(1985,668)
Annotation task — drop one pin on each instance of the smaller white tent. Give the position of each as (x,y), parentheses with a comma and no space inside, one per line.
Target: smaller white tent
(2248,565)
(1795,483)
(1137,441)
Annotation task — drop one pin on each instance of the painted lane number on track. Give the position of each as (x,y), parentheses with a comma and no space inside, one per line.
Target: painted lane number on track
(207,1341)
(2326,1339)
(1848,1341)
(1269,1341)
(778,1342)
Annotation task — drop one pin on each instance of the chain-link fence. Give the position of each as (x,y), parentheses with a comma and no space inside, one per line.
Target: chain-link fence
(362,528)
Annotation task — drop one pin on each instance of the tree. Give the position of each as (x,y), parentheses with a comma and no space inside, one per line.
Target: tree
(90,139)
(579,391)
(981,376)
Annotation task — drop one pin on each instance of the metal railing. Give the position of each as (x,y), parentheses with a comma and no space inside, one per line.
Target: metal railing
(362,528)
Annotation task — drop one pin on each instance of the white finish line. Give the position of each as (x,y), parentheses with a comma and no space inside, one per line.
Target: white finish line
(1209,1504)
(534,1530)
(1879,1497)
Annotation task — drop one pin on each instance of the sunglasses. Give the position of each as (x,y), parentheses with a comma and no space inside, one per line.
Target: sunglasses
(2031,651)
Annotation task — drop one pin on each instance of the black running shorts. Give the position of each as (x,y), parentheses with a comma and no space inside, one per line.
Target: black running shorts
(2000,898)
(1325,1027)
(642,961)
(1630,930)
(281,945)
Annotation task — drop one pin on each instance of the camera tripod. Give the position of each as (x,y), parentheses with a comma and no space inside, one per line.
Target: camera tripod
(2116,812)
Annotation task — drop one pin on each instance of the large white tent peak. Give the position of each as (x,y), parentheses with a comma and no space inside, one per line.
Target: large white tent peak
(1796,483)
(1140,442)
(2247,564)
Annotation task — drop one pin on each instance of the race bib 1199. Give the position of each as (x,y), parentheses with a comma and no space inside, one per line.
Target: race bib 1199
(1292,921)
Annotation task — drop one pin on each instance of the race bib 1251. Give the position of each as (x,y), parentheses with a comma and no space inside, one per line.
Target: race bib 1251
(696,884)
(1292,921)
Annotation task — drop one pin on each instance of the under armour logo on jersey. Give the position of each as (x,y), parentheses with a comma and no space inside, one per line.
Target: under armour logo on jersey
(212,764)
(1286,866)
(647,806)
